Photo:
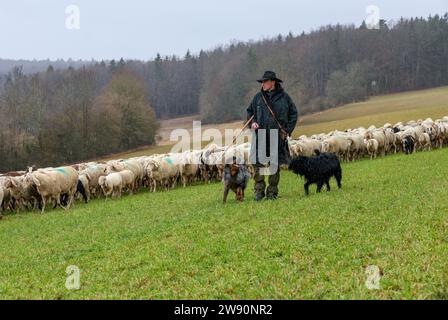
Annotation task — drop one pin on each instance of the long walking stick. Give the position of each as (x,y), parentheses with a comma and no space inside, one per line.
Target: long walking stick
(234,139)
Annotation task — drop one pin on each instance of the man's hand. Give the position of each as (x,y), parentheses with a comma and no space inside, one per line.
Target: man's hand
(255,126)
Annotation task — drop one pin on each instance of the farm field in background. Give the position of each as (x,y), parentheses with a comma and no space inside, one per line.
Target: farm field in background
(376,111)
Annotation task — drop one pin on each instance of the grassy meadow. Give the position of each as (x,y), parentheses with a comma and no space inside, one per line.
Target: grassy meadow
(392,213)
(378,110)
(182,244)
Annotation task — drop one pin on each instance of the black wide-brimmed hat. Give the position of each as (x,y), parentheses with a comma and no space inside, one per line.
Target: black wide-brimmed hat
(269,75)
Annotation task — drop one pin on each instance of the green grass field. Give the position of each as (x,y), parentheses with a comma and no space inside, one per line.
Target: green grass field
(379,110)
(391,212)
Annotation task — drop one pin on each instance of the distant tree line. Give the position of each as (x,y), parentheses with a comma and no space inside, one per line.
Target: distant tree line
(59,117)
(33,66)
(328,67)
(76,113)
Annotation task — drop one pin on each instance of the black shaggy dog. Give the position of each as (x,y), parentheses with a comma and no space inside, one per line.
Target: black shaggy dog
(408,144)
(236,177)
(317,169)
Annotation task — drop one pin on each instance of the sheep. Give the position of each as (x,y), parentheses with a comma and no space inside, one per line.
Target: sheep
(128,180)
(21,195)
(304,147)
(83,186)
(147,182)
(379,136)
(111,184)
(439,136)
(372,148)
(132,165)
(191,167)
(390,141)
(443,129)
(47,187)
(433,130)
(212,165)
(320,137)
(138,171)
(357,146)
(415,132)
(93,171)
(2,195)
(338,145)
(398,127)
(424,142)
(163,172)
(6,194)
(52,184)
(15,189)
(408,144)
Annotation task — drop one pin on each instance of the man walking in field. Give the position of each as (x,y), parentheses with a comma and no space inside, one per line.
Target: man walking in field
(274,111)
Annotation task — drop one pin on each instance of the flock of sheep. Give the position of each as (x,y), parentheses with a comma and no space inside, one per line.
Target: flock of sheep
(353,144)
(38,188)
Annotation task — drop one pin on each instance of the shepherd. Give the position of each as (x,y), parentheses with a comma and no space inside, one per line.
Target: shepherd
(273,110)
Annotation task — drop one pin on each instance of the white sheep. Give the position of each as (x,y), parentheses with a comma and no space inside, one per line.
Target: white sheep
(424,141)
(111,184)
(372,148)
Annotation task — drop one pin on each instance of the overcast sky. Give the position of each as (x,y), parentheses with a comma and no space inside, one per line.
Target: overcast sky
(139,29)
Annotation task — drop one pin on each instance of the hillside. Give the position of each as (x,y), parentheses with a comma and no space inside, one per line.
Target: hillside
(378,110)
(185,244)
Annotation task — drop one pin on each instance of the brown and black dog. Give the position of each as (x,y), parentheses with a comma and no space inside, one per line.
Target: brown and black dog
(236,177)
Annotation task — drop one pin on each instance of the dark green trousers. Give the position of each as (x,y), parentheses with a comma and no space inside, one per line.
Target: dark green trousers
(260,190)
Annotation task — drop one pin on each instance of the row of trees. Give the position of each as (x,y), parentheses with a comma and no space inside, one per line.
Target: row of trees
(66,115)
(330,66)
(34,66)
